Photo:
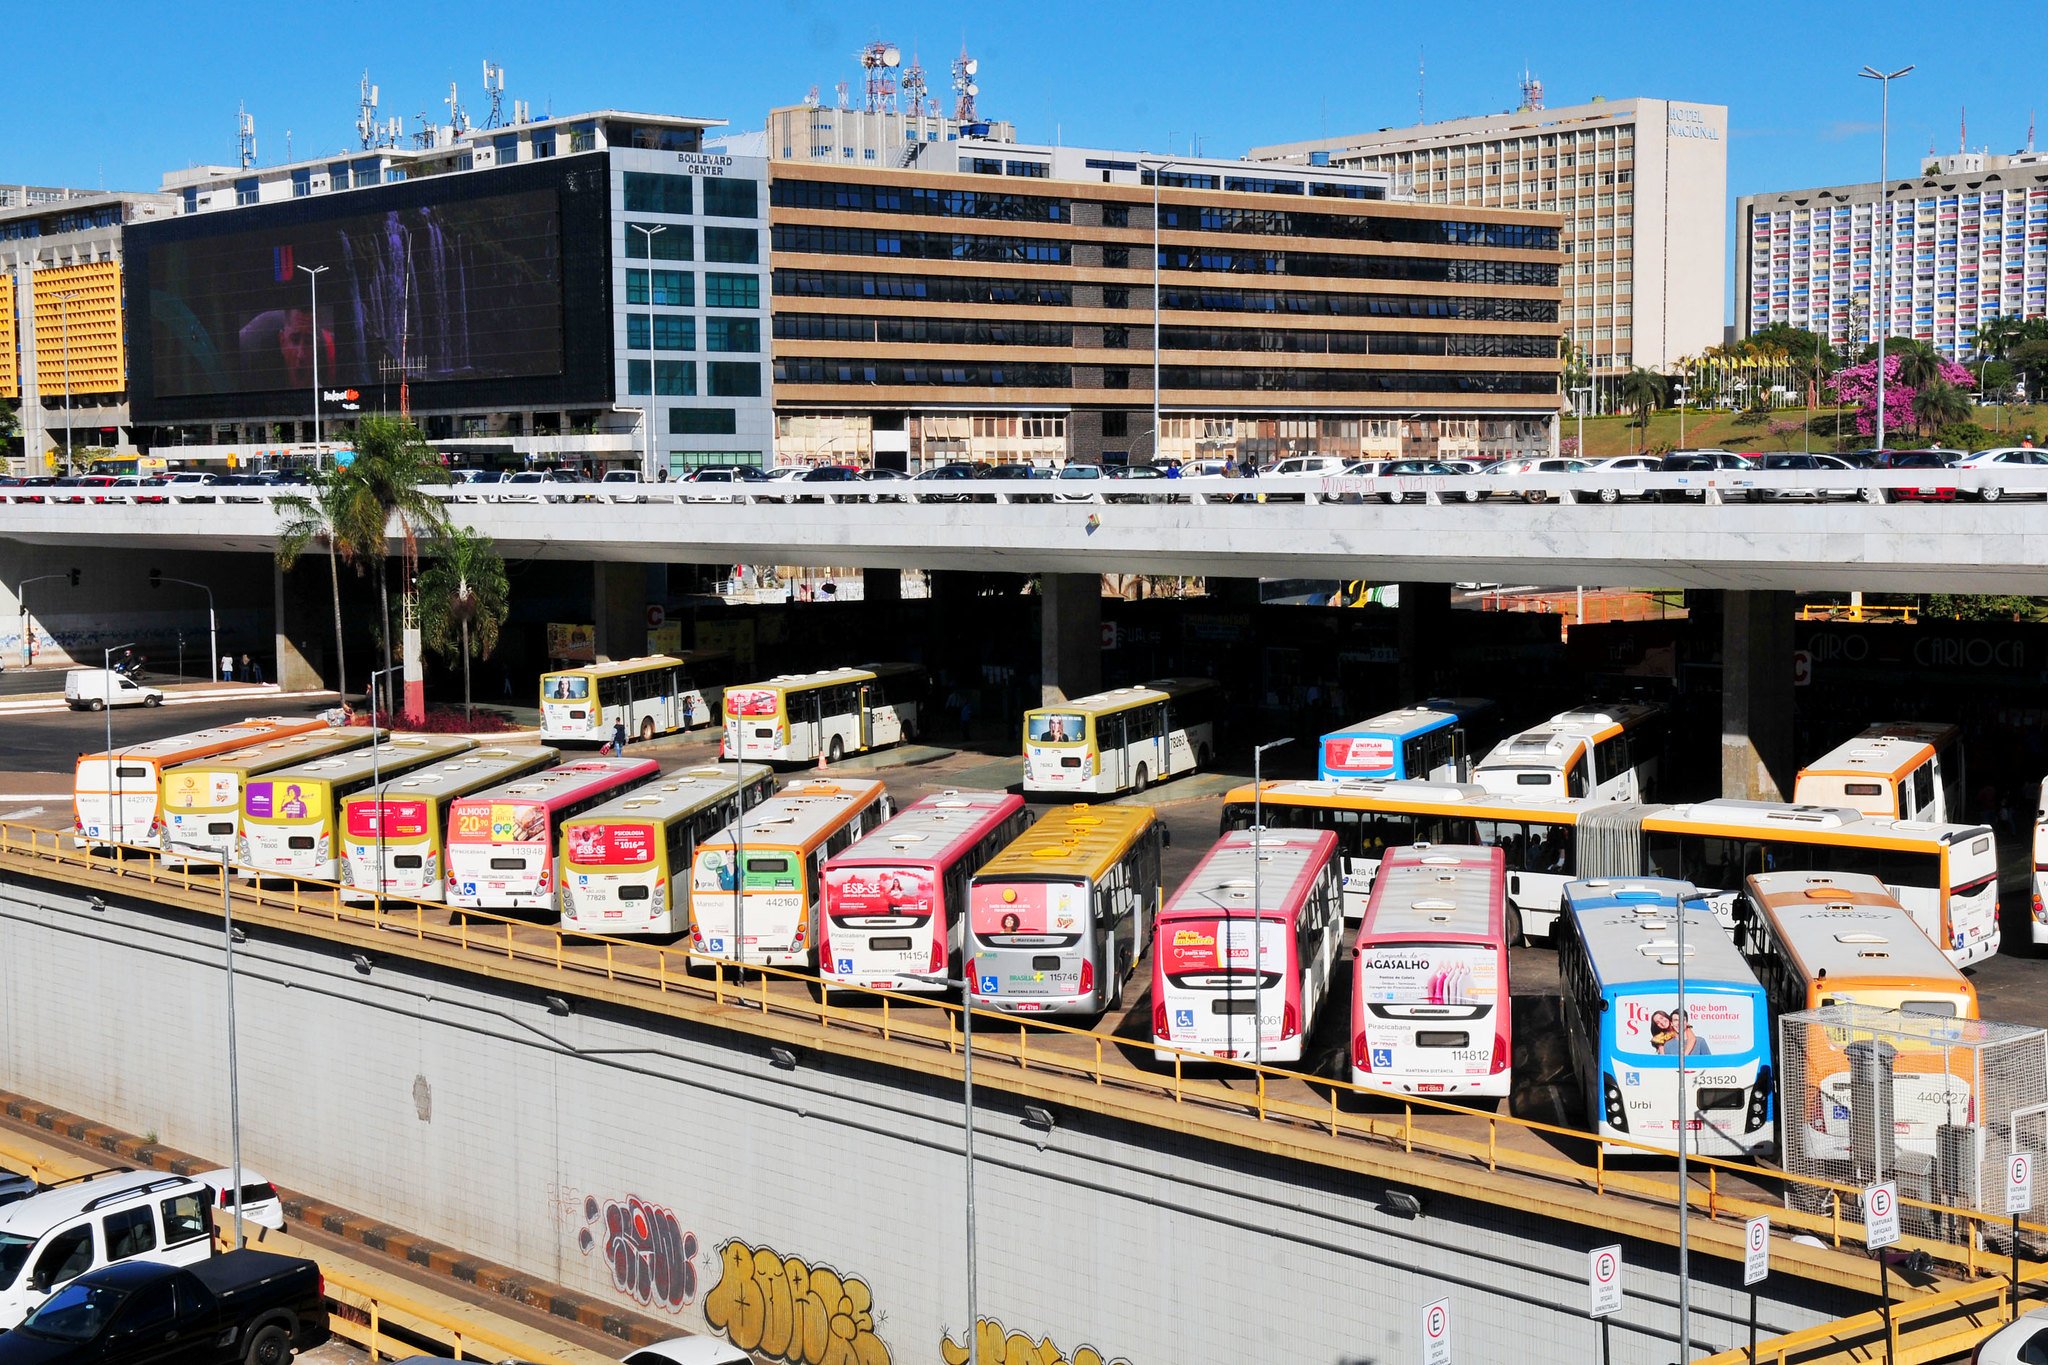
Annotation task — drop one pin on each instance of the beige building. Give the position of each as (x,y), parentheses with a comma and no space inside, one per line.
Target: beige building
(1641,185)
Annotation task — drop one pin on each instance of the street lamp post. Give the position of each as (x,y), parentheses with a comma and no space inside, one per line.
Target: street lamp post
(1258,904)
(313,273)
(28,639)
(64,325)
(1882,276)
(1580,393)
(227,920)
(647,432)
(1158,170)
(1686,896)
(966,990)
(212,622)
(1682,393)
(106,670)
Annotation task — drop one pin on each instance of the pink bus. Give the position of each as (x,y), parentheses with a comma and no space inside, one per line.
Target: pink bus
(501,841)
(1244,954)
(1430,1013)
(895,901)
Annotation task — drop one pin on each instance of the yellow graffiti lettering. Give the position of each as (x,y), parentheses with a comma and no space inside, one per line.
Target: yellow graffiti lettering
(790,1310)
(1001,1346)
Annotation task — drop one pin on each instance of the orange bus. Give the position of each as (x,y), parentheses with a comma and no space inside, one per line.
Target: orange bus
(117,796)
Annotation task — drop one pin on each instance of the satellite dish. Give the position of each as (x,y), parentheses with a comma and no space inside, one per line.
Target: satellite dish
(973,88)
(892,57)
(973,65)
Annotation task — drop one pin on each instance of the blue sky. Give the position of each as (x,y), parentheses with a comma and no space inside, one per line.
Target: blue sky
(142,88)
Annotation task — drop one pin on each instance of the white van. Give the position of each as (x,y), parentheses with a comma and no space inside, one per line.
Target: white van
(95,689)
(48,1240)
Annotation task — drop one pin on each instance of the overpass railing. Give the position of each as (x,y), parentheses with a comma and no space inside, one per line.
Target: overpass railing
(1022,1049)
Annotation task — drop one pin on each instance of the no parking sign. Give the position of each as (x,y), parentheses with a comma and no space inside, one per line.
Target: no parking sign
(1756,1250)
(1881,1215)
(1603,1280)
(1436,1333)
(2019,1183)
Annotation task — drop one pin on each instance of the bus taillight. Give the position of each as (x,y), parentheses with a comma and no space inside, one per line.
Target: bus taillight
(937,966)
(824,940)
(967,970)
(1087,976)
(1159,1019)
(2040,912)
(1500,1053)
(1361,1053)
(1290,1020)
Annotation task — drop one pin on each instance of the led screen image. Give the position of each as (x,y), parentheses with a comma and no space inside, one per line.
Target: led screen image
(457,290)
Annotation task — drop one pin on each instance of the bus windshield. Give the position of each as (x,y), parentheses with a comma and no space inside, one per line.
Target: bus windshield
(1056,727)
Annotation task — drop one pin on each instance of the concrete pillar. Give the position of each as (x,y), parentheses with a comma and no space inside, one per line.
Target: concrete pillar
(881,585)
(1756,695)
(619,610)
(1423,622)
(1069,636)
(295,632)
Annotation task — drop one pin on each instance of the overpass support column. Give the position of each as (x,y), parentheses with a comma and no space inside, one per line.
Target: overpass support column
(619,610)
(1756,695)
(881,585)
(1421,627)
(294,673)
(1069,635)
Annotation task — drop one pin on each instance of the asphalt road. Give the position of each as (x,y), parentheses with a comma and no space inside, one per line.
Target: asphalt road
(52,743)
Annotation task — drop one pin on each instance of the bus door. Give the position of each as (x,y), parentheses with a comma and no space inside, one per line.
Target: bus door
(866,713)
(1112,741)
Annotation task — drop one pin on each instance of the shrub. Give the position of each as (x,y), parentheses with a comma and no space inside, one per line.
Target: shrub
(445,720)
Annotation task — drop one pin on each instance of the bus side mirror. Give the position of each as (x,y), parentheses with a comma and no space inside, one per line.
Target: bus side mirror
(1165,836)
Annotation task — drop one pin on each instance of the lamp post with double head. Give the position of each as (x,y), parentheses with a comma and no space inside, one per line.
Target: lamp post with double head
(1258,904)
(966,990)
(312,274)
(1881,277)
(647,233)
(113,768)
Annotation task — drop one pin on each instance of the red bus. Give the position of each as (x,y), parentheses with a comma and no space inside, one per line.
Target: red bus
(895,900)
(1283,893)
(501,841)
(1430,1013)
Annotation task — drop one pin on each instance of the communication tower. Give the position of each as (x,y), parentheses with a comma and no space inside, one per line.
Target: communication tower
(811,100)
(878,63)
(368,129)
(458,117)
(965,87)
(914,88)
(1532,91)
(245,133)
(494,88)
(843,102)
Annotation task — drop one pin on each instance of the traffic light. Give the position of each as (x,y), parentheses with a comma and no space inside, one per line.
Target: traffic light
(156,578)
(73,575)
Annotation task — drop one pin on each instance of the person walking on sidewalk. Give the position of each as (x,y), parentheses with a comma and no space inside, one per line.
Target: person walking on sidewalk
(227,668)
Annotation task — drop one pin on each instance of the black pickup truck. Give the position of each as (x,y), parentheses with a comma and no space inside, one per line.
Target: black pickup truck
(238,1308)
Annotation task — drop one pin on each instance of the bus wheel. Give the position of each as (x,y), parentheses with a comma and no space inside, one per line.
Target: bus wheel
(1142,780)
(838,750)
(1514,928)
(647,729)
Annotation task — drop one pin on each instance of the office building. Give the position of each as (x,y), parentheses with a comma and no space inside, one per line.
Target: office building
(1967,242)
(996,302)
(1640,185)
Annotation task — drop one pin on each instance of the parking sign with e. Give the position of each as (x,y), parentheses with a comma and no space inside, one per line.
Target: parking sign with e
(1436,1333)
(1881,1215)
(1603,1280)
(2019,1182)
(1756,1250)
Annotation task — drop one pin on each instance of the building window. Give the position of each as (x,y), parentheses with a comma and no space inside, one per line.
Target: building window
(647,192)
(672,333)
(636,286)
(245,192)
(673,288)
(1034,169)
(675,378)
(1116,215)
(739,246)
(639,377)
(734,379)
(726,197)
(1116,297)
(1116,424)
(1116,257)
(672,243)
(981,165)
(543,144)
(639,329)
(702,421)
(508,149)
(731,291)
(732,334)
(302,183)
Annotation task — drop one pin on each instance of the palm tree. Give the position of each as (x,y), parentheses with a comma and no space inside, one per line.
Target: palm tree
(1919,363)
(1938,404)
(1641,390)
(310,520)
(463,598)
(389,478)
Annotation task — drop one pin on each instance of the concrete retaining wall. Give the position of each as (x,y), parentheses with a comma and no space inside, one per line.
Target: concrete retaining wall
(812,1214)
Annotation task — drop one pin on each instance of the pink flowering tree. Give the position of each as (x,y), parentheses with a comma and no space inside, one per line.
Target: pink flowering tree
(1856,386)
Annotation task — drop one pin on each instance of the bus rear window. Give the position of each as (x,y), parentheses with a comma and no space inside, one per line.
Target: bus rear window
(1940,1009)
(569,687)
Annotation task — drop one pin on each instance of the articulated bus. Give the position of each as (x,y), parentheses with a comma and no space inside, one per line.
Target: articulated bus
(392,833)
(1634,1049)
(1430,1008)
(655,695)
(897,901)
(116,795)
(1841,938)
(798,717)
(1057,920)
(501,841)
(202,801)
(1903,770)
(1121,740)
(1244,955)
(768,912)
(1536,835)
(1608,754)
(290,816)
(1437,741)
(626,863)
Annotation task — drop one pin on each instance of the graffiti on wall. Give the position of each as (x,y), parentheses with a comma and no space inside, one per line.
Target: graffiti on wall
(1001,1347)
(652,1258)
(790,1310)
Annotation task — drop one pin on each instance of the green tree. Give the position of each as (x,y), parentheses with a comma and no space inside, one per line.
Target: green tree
(309,521)
(1983,607)
(1642,390)
(1939,403)
(464,598)
(1919,363)
(388,481)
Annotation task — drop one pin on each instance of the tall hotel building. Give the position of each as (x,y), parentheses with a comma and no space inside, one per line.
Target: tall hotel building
(997,301)
(1967,242)
(1640,185)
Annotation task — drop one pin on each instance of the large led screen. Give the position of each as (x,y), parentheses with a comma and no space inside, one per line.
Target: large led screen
(465,295)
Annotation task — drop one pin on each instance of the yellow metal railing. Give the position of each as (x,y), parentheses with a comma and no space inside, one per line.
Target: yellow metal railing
(1852,611)
(1932,1326)
(1724,1188)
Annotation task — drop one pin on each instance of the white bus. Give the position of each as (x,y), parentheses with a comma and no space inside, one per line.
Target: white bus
(1607,754)
(1904,770)
(1243,963)
(799,717)
(655,695)
(1121,740)
(625,865)
(1430,1007)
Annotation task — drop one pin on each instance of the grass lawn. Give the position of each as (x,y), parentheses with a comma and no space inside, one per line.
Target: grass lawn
(1727,430)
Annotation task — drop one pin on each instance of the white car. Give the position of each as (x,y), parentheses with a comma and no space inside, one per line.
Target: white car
(705,1350)
(1629,464)
(624,485)
(528,485)
(2002,458)
(95,689)
(1079,483)
(48,1240)
(1510,472)
(260,1204)
(1850,489)
(2023,1341)
(781,477)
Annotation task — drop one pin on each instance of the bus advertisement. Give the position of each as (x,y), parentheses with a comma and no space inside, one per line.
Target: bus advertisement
(501,841)
(626,863)
(392,832)
(116,795)
(289,816)
(202,801)
(1437,741)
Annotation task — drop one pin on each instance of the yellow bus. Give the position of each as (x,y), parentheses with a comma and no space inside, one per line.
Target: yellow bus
(1056,921)
(1907,770)
(783,843)
(797,717)
(290,816)
(202,801)
(655,695)
(393,834)
(1842,938)
(626,864)
(1121,740)
(115,795)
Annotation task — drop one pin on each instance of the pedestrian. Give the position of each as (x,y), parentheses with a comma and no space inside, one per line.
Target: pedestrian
(248,673)
(227,668)
(966,713)
(256,672)
(619,736)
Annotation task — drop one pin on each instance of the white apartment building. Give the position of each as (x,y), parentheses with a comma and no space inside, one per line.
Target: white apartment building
(1642,186)
(1967,241)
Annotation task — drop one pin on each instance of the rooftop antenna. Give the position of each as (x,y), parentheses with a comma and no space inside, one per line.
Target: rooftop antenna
(245,131)
(494,87)
(458,120)
(522,111)
(1532,91)
(367,127)
(425,136)
(287,146)
(965,87)
(2030,130)
(914,86)
(811,100)
(1421,83)
(879,60)
(844,103)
